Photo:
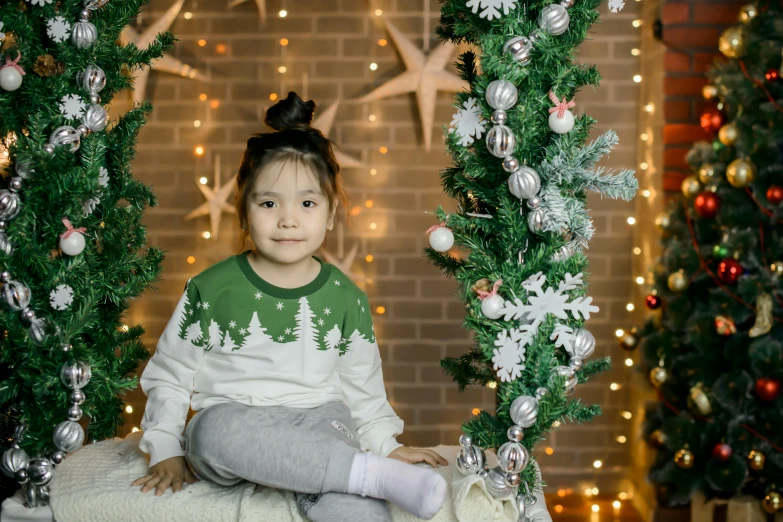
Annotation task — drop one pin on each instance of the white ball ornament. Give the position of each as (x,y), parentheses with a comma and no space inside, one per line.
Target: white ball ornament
(11,74)
(441,238)
(72,241)
(561,125)
(492,307)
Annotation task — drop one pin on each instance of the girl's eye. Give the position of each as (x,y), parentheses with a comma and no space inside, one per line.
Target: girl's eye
(309,204)
(268,204)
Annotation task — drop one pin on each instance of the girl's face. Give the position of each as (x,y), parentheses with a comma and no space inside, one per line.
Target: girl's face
(288,214)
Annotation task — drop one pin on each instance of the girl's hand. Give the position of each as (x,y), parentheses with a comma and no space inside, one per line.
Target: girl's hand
(169,472)
(414,455)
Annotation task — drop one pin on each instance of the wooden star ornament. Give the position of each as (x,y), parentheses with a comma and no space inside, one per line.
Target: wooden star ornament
(216,202)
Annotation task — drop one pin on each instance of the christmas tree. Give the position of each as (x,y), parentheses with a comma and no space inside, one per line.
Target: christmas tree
(522,167)
(712,348)
(72,247)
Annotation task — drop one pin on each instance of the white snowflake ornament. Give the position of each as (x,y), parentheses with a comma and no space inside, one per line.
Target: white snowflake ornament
(39,2)
(616,6)
(468,123)
(2,34)
(61,297)
(491,8)
(88,207)
(510,353)
(72,107)
(58,29)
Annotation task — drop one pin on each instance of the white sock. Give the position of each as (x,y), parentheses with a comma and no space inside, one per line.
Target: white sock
(417,490)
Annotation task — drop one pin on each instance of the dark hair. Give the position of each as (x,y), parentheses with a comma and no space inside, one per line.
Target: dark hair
(294,140)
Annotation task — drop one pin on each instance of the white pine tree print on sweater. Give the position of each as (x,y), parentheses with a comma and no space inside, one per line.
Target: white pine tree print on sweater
(214,335)
(256,334)
(333,338)
(305,326)
(228,343)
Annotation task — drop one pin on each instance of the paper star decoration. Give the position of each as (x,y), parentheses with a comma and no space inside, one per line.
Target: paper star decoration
(324,124)
(216,202)
(425,76)
(341,261)
(260,3)
(165,63)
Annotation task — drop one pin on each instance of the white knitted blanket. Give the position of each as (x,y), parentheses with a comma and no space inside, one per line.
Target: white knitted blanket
(93,485)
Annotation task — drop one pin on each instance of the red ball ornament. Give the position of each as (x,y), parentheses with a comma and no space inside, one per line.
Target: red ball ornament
(722,451)
(707,204)
(767,389)
(712,120)
(653,302)
(774,194)
(772,75)
(729,271)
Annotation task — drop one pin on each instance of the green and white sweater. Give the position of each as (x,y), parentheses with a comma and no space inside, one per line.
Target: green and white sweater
(236,337)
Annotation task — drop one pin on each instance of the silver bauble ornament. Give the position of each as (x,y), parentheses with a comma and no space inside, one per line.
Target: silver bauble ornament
(68,436)
(502,95)
(584,344)
(94,5)
(13,460)
(524,183)
(520,48)
(28,315)
(471,458)
(496,482)
(40,330)
(513,481)
(512,457)
(492,307)
(23,169)
(571,379)
(499,117)
(37,496)
(75,375)
(501,141)
(74,412)
(510,164)
(57,457)
(515,433)
(563,254)
(77,397)
(15,185)
(576,363)
(9,204)
(16,295)
(83,130)
(541,393)
(66,136)
(40,471)
(536,220)
(49,148)
(84,35)
(524,411)
(6,247)
(554,19)
(92,79)
(96,118)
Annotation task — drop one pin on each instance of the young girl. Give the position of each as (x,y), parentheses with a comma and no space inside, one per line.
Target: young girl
(275,351)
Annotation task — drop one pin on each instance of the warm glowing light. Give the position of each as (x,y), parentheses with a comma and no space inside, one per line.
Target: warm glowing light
(355,211)
(630,307)
(128,409)
(636,52)
(197,123)
(369,203)
(640,280)
(206,235)
(637,251)
(214,104)
(621,439)
(637,78)
(221,48)
(645,136)
(588,492)
(619,332)
(199,150)
(124,328)
(369,258)
(273,96)
(597,464)
(135,429)
(636,23)
(373,172)
(558,508)
(373,66)
(492,384)
(284,41)
(476,411)
(384,150)
(188,15)
(614,386)
(650,107)
(202,97)
(627,415)
(644,165)
(629,362)
(381,310)
(623,495)
(561,493)
(202,43)
(595,508)
(631,220)
(191,260)
(372,117)
(646,193)
(283,13)
(382,42)
(202,180)
(373,226)
(378,12)
(282,69)
(550,451)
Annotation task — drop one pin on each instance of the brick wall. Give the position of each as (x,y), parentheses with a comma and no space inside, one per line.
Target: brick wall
(333,42)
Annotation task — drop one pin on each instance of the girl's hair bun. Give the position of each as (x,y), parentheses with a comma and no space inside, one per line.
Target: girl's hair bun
(290,112)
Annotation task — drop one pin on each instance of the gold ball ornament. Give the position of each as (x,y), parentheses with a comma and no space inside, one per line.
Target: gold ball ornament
(740,173)
(658,376)
(684,458)
(756,460)
(728,134)
(772,503)
(732,42)
(663,220)
(708,174)
(709,92)
(677,281)
(699,401)
(658,438)
(747,13)
(690,187)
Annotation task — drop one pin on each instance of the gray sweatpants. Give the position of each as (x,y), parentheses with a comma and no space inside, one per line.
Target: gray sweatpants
(305,450)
